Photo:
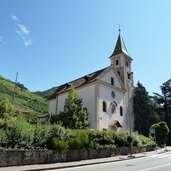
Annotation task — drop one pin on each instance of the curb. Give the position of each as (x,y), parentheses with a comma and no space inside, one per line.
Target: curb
(85,164)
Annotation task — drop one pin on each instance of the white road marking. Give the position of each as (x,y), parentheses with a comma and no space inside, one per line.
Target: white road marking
(164,156)
(160,155)
(156,167)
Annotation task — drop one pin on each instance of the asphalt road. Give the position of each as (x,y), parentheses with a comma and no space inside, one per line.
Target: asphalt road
(158,162)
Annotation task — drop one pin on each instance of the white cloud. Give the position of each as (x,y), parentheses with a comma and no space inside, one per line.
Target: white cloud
(27,41)
(23,29)
(23,32)
(14,18)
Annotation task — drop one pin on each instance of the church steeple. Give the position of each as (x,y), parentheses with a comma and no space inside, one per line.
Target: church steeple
(121,61)
(120,46)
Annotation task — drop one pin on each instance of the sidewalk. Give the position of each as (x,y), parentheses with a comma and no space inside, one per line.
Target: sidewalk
(82,162)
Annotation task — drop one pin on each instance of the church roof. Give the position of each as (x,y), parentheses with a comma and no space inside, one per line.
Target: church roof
(120,46)
(78,82)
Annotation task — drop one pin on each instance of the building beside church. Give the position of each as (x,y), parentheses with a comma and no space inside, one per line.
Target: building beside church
(106,93)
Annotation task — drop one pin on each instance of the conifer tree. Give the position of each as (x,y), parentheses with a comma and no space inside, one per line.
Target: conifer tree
(74,115)
(144,111)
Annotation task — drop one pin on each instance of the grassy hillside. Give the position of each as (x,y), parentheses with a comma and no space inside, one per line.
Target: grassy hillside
(23,99)
(46,94)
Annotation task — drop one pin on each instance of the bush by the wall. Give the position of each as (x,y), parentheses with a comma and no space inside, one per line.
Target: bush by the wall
(44,134)
(79,139)
(55,143)
(20,133)
(102,139)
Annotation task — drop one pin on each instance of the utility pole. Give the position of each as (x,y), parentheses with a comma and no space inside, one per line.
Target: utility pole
(129,115)
(15,86)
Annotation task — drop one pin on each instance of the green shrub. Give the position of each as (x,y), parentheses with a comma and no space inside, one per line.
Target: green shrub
(44,134)
(102,139)
(161,130)
(55,143)
(79,139)
(3,138)
(121,138)
(21,133)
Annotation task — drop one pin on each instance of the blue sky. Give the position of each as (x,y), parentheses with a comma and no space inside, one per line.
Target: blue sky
(51,42)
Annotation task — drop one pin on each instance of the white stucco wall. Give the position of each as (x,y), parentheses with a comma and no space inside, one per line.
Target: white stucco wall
(52,106)
(107,78)
(106,118)
(88,96)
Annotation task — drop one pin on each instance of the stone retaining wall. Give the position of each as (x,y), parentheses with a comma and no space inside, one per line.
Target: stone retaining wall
(16,158)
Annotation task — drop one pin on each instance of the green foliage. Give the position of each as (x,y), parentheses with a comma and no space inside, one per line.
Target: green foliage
(4,140)
(141,140)
(57,144)
(23,100)
(145,114)
(74,115)
(161,130)
(80,139)
(20,133)
(31,117)
(22,87)
(103,139)
(163,104)
(45,133)
(121,139)
(5,108)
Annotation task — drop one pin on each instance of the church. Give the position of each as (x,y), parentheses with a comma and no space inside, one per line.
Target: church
(107,94)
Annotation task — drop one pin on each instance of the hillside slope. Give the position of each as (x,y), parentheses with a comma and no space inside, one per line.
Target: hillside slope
(23,99)
(47,93)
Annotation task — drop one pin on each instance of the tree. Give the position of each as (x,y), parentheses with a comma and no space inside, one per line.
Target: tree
(161,131)
(74,115)
(163,104)
(163,101)
(144,112)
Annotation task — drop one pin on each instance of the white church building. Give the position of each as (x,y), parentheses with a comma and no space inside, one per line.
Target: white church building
(106,93)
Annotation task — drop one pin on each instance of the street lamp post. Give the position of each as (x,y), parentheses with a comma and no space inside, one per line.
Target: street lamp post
(129,116)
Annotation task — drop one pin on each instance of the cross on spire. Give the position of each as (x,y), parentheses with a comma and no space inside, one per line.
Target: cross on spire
(119,28)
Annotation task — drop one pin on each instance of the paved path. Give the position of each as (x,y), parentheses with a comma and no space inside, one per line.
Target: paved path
(82,162)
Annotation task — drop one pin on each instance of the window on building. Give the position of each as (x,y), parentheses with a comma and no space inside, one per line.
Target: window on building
(119,73)
(117,62)
(121,111)
(112,81)
(104,106)
(129,76)
(113,107)
(127,63)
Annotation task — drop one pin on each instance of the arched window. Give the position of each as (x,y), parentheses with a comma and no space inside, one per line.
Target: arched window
(113,108)
(121,111)
(117,62)
(104,106)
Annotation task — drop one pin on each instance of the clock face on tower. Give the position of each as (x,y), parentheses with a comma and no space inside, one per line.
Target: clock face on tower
(113,94)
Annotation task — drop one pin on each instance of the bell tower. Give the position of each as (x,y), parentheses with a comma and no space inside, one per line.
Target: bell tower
(121,61)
